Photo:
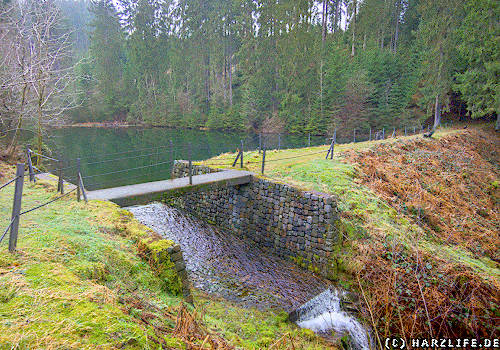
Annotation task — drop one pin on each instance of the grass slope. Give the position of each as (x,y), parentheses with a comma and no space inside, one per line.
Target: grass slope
(77,281)
(423,258)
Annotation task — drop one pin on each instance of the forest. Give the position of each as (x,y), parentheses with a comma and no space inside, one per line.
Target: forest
(295,66)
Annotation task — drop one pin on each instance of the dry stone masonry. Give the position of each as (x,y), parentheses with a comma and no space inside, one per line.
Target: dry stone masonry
(294,224)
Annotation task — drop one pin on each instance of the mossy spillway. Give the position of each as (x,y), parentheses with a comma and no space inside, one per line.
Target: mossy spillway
(223,265)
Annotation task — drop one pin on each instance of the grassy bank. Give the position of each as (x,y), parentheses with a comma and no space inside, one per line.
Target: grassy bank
(79,280)
(419,226)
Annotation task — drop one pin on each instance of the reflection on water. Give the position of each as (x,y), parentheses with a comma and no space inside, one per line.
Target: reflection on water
(93,145)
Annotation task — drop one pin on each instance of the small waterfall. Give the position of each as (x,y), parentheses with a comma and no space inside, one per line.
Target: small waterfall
(234,268)
(323,313)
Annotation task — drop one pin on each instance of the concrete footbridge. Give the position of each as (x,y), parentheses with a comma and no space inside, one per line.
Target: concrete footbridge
(148,190)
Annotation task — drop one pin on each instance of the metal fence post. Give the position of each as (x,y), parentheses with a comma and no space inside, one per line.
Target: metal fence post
(370,134)
(78,179)
(263,158)
(394,133)
(16,207)
(354,135)
(279,142)
(309,140)
(383,133)
(190,166)
(241,157)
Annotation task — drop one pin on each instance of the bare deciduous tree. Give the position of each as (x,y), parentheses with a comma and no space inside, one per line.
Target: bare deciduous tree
(36,71)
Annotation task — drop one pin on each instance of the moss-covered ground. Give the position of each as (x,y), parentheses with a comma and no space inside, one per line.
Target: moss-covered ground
(424,259)
(79,280)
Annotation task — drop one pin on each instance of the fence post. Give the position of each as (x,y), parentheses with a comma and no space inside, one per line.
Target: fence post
(354,135)
(405,130)
(241,158)
(260,142)
(414,129)
(60,182)
(309,140)
(30,166)
(80,183)
(370,133)
(237,157)
(383,133)
(334,141)
(190,165)
(279,142)
(394,133)
(263,158)
(16,207)
(171,151)
(78,179)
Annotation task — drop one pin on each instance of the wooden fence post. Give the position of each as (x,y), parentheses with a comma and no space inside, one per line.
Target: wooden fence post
(241,157)
(80,182)
(236,159)
(171,151)
(263,158)
(30,166)
(60,182)
(334,141)
(279,142)
(190,165)
(16,207)
(78,179)
(332,146)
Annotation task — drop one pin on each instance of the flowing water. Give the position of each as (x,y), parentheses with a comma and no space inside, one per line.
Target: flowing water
(221,264)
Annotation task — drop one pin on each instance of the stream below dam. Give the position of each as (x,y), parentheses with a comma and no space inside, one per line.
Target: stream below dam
(224,265)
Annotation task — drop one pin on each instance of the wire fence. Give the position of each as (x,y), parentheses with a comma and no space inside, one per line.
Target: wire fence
(157,160)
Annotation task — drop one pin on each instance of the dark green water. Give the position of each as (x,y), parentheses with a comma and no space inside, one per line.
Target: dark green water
(104,151)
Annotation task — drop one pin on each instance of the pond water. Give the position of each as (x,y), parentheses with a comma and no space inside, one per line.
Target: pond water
(114,150)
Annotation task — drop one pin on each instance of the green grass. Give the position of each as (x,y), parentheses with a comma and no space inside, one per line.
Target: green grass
(76,281)
(363,210)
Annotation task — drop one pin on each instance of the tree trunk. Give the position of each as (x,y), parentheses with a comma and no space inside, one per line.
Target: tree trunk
(325,19)
(396,34)
(437,117)
(354,27)
(336,16)
(230,79)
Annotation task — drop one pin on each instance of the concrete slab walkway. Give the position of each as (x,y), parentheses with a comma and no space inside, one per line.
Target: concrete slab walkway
(230,177)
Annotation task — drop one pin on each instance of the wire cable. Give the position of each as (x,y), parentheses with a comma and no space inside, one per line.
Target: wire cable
(122,171)
(7,229)
(52,201)
(8,183)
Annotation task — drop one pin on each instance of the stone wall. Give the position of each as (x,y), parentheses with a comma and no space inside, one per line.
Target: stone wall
(295,224)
